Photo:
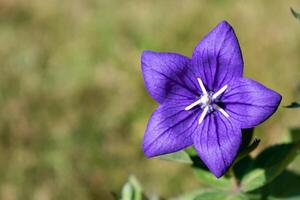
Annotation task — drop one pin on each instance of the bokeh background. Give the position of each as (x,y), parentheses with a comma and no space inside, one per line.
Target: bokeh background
(73,107)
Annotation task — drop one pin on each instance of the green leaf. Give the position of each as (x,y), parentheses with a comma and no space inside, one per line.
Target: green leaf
(179,156)
(221,195)
(269,164)
(288,198)
(127,192)
(244,162)
(213,195)
(205,176)
(197,162)
(132,190)
(255,179)
(191,151)
(189,196)
(208,179)
(295,134)
(295,14)
(243,167)
(295,104)
(248,150)
(275,189)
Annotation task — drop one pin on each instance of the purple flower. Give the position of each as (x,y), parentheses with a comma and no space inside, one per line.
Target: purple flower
(204,101)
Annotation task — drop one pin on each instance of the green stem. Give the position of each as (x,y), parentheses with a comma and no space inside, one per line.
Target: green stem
(236,182)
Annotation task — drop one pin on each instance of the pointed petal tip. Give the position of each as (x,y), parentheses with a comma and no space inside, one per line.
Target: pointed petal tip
(151,149)
(220,51)
(147,151)
(145,58)
(224,22)
(248,107)
(279,97)
(148,154)
(144,52)
(218,175)
(219,172)
(224,26)
(217,143)
(144,55)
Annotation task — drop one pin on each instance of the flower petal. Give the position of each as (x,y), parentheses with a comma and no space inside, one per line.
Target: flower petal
(217,58)
(249,102)
(217,141)
(168,74)
(169,129)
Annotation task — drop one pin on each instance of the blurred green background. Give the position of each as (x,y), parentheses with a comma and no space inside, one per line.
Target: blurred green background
(73,107)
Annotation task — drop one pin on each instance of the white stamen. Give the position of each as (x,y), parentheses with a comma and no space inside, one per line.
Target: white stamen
(206,102)
(219,92)
(218,108)
(205,99)
(202,86)
(199,101)
(203,114)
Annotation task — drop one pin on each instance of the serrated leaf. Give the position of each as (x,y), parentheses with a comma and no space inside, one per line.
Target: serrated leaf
(208,179)
(295,14)
(269,164)
(179,156)
(295,104)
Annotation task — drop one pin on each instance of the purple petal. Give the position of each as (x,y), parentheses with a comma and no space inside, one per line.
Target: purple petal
(217,141)
(249,103)
(217,58)
(168,74)
(170,128)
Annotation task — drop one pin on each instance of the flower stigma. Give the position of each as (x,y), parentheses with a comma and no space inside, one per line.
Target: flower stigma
(208,101)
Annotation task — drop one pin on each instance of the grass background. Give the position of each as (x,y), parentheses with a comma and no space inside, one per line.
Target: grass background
(73,106)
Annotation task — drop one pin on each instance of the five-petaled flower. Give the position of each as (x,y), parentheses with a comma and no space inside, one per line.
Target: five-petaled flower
(204,100)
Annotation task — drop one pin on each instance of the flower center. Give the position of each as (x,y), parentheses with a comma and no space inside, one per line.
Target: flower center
(208,101)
